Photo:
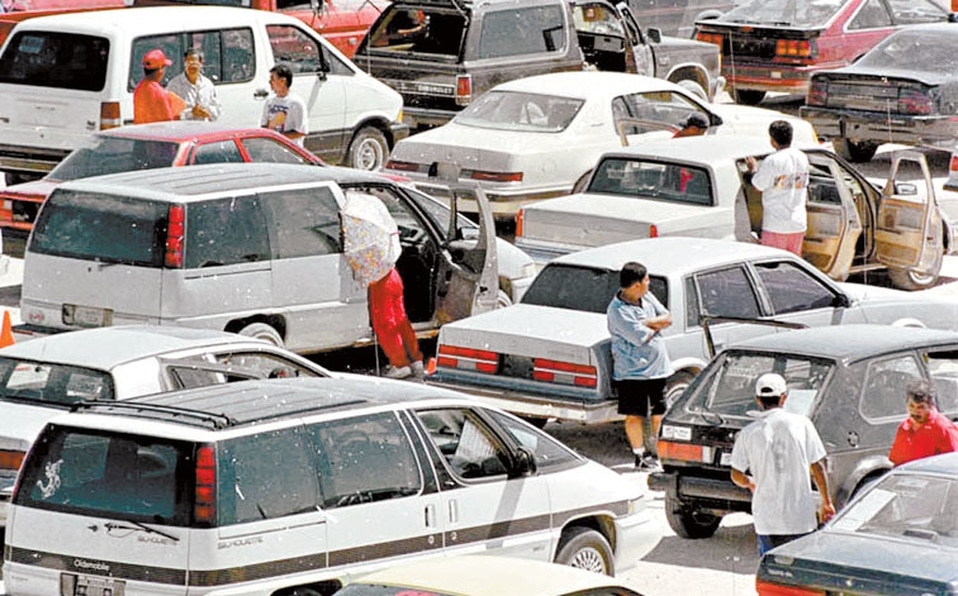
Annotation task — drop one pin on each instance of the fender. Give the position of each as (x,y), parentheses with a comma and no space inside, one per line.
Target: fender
(873,466)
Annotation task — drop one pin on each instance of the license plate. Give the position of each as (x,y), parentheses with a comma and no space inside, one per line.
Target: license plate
(86,316)
(726,459)
(72,584)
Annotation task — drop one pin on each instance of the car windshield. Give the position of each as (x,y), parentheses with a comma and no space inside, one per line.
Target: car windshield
(675,183)
(909,507)
(911,50)
(575,287)
(514,110)
(785,13)
(729,387)
(110,155)
(50,384)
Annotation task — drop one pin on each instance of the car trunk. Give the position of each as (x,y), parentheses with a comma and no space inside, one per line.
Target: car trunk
(873,93)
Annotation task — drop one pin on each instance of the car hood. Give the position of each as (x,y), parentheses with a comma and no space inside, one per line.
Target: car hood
(857,70)
(22,423)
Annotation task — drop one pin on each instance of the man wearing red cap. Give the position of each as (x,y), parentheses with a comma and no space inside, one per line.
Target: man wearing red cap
(151,102)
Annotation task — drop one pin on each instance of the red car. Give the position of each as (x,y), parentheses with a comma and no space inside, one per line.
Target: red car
(775,45)
(148,146)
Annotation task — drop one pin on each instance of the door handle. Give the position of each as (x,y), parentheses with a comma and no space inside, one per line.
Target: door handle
(453,511)
(260,94)
(430,518)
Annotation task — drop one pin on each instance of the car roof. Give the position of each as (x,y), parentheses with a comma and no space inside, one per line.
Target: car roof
(478,575)
(584,84)
(184,130)
(849,342)
(672,255)
(194,182)
(104,348)
(250,402)
(146,20)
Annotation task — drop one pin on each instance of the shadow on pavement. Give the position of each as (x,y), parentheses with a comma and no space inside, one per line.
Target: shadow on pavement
(731,549)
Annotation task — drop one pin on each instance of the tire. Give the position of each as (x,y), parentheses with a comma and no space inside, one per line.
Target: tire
(263,331)
(749,97)
(688,523)
(586,549)
(581,183)
(536,422)
(677,383)
(904,279)
(503,299)
(694,88)
(368,150)
(856,152)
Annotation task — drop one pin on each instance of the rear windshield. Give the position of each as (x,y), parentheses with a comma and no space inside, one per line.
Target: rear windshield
(59,60)
(119,476)
(909,49)
(46,384)
(785,13)
(510,110)
(110,155)
(587,289)
(423,31)
(670,182)
(103,228)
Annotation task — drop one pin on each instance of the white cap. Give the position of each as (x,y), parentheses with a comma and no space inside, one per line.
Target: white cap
(770,384)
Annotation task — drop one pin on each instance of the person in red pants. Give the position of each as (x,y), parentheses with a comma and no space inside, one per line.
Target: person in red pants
(392,327)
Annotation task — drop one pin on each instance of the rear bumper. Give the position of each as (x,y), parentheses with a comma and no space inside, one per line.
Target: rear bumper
(424,117)
(35,161)
(779,77)
(399,131)
(930,131)
(705,493)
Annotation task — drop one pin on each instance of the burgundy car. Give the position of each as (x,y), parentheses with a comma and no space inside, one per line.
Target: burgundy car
(148,146)
(775,45)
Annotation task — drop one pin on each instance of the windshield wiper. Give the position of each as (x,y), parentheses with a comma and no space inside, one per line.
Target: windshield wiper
(140,526)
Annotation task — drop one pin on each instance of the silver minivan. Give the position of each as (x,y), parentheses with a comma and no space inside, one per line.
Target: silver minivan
(254,249)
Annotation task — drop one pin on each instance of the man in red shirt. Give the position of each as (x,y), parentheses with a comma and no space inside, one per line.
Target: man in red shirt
(926,431)
(151,102)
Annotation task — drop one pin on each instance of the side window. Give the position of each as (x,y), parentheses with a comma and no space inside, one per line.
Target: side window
(943,368)
(726,293)
(266,150)
(228,55)
(230,367)
(238,62)
(884,388)
(792,289)
(547,451)
(519,31)
(255,481)
(911,12)
(466,443)
(225,232)
(217,152)
(295,48)
(303,222)
(172,46)
(365,459)
(872,14)
(55,59)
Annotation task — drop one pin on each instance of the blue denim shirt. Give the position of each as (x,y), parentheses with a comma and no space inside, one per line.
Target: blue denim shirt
(638,352)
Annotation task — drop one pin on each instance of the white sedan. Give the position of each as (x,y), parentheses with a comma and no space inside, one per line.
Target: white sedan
(538,137)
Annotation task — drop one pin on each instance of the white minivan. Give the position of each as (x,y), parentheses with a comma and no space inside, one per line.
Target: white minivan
(288,487)
(65,76)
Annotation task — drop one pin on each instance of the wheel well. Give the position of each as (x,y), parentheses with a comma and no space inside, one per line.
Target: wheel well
(377,123)
(691,73)
(845,493)
(601,525)
(277,322)
(325,588)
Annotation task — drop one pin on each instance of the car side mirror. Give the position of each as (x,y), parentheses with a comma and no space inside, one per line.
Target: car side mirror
(523,463)
(655,34)
(842,301)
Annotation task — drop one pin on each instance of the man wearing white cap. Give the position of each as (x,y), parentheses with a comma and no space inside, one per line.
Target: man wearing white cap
(778,451)
(151,102)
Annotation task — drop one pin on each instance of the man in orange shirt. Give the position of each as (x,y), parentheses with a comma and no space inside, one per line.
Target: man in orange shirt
(151,102)
(926,431)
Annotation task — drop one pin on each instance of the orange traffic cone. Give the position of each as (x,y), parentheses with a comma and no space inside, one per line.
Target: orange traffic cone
(6,334)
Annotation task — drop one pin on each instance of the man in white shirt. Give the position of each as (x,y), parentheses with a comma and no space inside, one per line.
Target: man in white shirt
(285,112)
(779,450)
(196,91)
(783,179)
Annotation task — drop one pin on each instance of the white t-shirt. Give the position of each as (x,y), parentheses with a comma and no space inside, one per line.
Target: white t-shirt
(286,114)
(783,179)
(777,450)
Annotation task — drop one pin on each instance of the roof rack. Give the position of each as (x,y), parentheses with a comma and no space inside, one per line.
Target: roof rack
(184,415)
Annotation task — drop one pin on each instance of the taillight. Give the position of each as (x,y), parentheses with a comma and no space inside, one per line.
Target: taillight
(11,460)
(653,231)
(463,89)
(817,92)
(715,38)
(914,102)
(765,588)
(468,359)
(685,452)
(952,165)
(520,221)
(566,373)
(204,500)
(110,115)
(174,237)
(794,48)
(402,166)
(496,176)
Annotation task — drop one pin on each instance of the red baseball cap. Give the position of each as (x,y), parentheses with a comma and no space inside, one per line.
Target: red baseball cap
(155,59)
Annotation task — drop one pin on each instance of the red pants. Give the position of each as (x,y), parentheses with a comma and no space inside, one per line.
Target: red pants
(390,323)
(790,242)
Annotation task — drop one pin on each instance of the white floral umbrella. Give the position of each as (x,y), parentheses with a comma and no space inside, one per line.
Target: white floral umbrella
(370,237)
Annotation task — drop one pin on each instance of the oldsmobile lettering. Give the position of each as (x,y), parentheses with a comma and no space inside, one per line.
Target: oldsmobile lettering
(91,565)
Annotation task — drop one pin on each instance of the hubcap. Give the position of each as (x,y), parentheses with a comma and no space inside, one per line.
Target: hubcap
(589,559)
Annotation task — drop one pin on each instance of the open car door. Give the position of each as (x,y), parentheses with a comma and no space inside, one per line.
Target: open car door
(834,224)
(642,60)
(908,233)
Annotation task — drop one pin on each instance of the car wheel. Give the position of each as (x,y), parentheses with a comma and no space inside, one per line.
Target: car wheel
(687,522)
(749,97)
(905,279)
(503,299)
(677,384)
(539,423)
(581,183)
(855,151)
(694,88)
(368,150)
(586,549)
(262,331)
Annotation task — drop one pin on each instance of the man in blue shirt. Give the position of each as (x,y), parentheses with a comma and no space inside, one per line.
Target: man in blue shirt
(641,362)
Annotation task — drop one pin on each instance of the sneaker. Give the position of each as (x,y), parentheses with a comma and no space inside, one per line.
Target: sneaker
(418,370)
(647,463)
(400,372)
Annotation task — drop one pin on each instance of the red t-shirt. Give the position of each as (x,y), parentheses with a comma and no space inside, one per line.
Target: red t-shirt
(938,435)
(151,103)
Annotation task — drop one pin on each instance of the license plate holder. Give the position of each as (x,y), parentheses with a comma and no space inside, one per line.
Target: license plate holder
(73,584)
(86,316)
(725,459)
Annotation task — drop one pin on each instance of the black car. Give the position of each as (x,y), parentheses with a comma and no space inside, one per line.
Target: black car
(899,537)
(904,90)
(849,380)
